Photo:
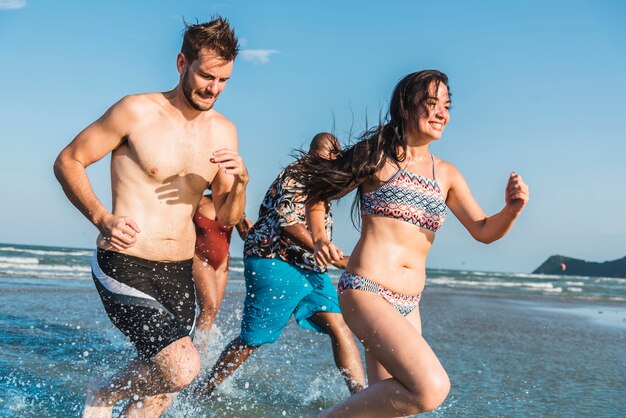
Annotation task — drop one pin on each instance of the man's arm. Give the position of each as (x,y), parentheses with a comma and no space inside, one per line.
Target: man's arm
(91,145)
(229,185)
(292,211)
(324,250)
(300,235)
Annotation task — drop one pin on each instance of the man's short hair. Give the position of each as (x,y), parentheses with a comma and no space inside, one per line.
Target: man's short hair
(216,35)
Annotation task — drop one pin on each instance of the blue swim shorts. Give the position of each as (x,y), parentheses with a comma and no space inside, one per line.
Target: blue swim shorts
(275,290)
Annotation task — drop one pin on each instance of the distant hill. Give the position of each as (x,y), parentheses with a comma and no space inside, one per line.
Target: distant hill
(558,264)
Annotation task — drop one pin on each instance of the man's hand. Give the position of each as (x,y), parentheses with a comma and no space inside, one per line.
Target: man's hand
(341,264)
(232,163)
(325,253)
(119,231)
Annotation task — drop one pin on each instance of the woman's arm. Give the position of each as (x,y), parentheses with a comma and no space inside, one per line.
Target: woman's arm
(485,228)
(243,227)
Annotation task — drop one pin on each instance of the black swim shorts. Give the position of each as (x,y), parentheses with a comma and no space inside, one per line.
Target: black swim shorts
(152,303)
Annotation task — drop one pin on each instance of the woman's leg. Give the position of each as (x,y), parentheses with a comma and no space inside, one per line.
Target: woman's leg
(210,286)
(418,383)
(375,370)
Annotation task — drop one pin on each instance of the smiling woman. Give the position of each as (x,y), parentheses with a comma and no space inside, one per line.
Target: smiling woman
(403,191)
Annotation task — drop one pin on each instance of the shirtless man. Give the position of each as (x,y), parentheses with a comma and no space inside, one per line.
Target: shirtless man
(166,149)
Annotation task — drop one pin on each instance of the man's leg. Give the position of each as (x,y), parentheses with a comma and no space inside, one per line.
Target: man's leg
(210,287)
(150,406)
(231,358)
(345,351)
(273,290)
(320,311)
(153,304)
(172,369)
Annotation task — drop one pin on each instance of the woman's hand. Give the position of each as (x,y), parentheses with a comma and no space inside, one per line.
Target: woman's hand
(516,194)
(243,227)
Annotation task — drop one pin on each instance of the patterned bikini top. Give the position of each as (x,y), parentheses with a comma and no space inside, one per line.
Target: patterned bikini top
(408,197)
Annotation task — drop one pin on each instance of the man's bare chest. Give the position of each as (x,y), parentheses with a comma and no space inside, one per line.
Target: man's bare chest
(162,155)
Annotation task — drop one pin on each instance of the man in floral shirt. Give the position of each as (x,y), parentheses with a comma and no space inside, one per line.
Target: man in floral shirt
(282,278)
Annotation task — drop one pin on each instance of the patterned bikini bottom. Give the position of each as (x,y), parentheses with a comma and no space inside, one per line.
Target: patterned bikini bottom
(402,303)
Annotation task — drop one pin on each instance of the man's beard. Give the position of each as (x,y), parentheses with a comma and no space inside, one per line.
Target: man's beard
(188,93)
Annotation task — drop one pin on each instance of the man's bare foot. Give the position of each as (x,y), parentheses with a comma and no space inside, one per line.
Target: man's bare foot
(150,406)
(97,405)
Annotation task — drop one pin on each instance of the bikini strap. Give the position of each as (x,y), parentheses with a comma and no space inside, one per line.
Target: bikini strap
(433,158)
(396,174)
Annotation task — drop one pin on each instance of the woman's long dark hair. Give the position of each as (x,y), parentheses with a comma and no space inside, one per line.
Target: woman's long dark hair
(328,179)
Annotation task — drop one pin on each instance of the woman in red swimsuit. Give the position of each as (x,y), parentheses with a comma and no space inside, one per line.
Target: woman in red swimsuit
(211,260)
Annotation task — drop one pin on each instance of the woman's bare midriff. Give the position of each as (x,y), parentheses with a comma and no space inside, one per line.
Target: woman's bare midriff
(392,253)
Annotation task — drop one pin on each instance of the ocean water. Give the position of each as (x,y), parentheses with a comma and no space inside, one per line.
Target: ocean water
(514,345)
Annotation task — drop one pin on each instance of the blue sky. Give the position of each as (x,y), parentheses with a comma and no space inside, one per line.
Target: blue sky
(538,87)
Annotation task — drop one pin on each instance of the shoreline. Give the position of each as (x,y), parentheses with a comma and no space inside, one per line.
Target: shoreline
(603,312)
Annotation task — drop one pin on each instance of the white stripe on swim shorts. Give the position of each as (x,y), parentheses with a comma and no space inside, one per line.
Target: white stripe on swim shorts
(113,285)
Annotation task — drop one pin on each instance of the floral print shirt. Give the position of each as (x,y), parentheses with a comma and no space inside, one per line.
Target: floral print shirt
(282,206)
